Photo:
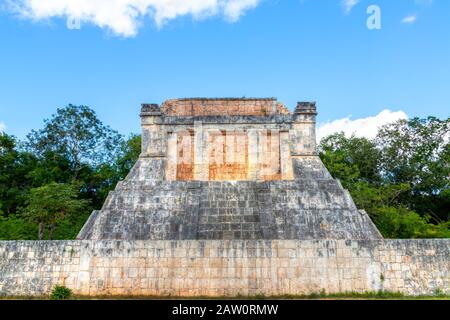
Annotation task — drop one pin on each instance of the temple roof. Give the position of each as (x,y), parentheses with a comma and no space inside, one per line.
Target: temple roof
(192,107)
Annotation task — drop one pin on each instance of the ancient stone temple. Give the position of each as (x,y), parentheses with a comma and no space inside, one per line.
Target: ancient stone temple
(228,198)
(225,169)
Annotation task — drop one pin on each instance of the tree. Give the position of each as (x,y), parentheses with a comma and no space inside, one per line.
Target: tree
(368,169)
(417,152)
(399,222)
(350,159)
(15,167)
(15,228)
(100,180)
(129,155)
(76,134)
(50,204)
(370,197)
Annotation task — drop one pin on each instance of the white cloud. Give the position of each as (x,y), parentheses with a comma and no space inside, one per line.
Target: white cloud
(366,127)
(410,19)
(2,127)
(348,5)
(123,17)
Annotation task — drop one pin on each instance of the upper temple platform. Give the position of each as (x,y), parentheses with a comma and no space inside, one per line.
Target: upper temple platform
(204,107)
(228,168)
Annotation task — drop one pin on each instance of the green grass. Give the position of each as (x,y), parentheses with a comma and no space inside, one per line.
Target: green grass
(379,295)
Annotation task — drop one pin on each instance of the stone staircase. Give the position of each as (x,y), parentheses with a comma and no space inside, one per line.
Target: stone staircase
(250,210)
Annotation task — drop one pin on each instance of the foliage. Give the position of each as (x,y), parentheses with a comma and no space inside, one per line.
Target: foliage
(130,153)
(98,181)
(13,227)
(73,149)
(350,160)
(417,152)
(399,222)
(50,204)
(76,134)
(61,293)
(14,169)
(401,178)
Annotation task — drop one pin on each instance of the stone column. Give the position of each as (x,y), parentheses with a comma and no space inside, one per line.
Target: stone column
(153,139)
(303,133)
(154,143)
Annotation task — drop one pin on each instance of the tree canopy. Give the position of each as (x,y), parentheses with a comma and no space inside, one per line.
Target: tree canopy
(51,204)
(50,183)
(401,178)
(76,134)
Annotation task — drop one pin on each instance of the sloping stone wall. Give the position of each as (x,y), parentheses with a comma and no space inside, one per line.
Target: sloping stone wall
(224,268)
(250,210)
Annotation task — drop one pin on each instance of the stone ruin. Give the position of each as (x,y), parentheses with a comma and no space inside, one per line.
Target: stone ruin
(229,169)
(228,198)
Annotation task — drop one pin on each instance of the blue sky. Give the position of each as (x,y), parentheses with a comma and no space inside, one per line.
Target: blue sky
(294,50)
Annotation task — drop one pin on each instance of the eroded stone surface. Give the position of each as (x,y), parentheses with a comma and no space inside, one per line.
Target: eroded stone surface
(224,268)
(229,169)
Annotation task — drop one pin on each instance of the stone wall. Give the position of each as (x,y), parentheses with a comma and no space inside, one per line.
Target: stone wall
(246,210)
(228,155)
(230,268)
(223,107)
(200,138)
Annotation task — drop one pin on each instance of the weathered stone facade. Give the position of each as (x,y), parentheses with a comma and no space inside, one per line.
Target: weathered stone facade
(228,169)
(228,197)
(224,268)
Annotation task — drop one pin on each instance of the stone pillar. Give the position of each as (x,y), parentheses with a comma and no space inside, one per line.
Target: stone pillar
(153,139)
(153,156)
(303,133)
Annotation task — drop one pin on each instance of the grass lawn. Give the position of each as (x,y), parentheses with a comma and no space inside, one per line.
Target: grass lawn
(314,296)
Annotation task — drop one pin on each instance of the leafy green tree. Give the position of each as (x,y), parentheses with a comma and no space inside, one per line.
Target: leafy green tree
(102,179)
(15,166)
(49,205)
(16,228)
(51,167)
(370,197)
(368,169)
(350,159)
(76,134)
(399,222)
(417,152)
(129,155)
